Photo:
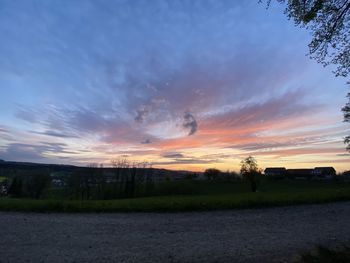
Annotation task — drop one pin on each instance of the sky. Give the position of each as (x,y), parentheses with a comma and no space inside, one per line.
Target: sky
(184,85)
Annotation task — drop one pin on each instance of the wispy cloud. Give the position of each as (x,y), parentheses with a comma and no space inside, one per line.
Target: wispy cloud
(172,155)
(55,134)
(146,141)
(33,152)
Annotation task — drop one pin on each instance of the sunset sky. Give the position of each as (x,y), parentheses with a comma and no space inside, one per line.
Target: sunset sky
(181,84)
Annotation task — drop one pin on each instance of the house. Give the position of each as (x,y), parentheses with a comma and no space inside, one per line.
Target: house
(304,173)
(324,172)
(300,173)
(276,172)
(58,182)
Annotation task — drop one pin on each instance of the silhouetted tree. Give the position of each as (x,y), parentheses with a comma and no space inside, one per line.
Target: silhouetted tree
(149,188)
(36,183)
(250,171)
(16,189)
(212,173)
(329,23)
(75,185)
(133,171)
(128,176)
(31,184)
(190,176)
(100,182)
(231,176)
(346,112)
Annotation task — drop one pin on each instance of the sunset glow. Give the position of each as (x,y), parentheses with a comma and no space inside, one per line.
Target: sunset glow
(179,84)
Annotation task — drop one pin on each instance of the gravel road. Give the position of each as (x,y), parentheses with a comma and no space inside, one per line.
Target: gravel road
(256,235)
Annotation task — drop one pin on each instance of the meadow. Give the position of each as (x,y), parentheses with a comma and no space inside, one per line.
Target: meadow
(2,178)
(190,195)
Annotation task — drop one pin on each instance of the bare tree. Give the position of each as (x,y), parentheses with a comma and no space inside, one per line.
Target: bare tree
(250,171)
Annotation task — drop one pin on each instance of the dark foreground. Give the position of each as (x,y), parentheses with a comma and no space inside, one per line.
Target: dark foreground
(261,235)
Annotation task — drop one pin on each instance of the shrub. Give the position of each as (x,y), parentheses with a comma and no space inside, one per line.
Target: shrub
(212,173)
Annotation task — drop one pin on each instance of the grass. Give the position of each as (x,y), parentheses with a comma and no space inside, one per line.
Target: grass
(3,178)
(207,196)
(326,255)
(195,188)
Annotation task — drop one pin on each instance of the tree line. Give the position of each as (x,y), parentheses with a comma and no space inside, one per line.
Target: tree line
(123,180)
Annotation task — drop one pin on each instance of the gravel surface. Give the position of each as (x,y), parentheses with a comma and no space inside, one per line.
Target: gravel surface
(254,235)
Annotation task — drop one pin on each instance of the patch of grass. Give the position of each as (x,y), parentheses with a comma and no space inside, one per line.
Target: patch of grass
(269,196)
(3,178)
(195,188)
(181,187)
(326,255)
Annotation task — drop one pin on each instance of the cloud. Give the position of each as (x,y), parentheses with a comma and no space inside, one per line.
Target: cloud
(141,114)
(146,141)
(264,146)
(260,115)
(3,130)
(179,158)
(298,151)
(27,114)
(55,134)
(190,123)
(173,155)
(33,152)
(205,86)
(186,161)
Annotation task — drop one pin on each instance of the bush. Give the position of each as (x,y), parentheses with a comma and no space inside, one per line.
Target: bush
(212,173)
(16,189)
(36,184)
(31,185)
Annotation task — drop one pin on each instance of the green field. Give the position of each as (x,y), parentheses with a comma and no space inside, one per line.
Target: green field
(196,196)
(2,178)
(209,188)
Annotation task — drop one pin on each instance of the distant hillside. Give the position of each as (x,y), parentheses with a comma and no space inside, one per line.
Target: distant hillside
(16,168)
(29,166)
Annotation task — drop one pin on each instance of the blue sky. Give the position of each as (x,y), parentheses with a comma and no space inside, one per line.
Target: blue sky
(182,84)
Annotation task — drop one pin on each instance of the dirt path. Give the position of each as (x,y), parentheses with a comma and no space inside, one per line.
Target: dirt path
(261,235)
